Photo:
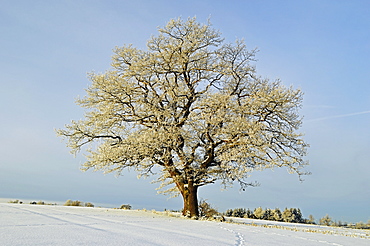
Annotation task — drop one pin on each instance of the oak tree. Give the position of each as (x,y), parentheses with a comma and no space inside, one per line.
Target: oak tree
(191,108)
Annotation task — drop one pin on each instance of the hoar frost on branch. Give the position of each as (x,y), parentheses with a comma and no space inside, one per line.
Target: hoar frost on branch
(191,105)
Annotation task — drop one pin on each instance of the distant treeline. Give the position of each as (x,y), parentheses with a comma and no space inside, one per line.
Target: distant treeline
(291,215)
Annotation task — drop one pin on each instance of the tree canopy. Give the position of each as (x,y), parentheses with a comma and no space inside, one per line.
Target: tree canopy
(191,106)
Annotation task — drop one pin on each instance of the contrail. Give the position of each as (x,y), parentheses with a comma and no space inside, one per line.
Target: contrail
(339,116)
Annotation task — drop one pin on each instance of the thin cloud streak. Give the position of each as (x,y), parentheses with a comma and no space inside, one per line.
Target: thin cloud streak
(338,116)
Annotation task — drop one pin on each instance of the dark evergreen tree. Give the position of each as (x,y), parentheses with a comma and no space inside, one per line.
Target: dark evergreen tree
(249,214)
(296,215)
(239,212)
(267,215)
(229,213)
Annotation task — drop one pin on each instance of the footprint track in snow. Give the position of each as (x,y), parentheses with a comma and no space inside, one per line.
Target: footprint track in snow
(238,235)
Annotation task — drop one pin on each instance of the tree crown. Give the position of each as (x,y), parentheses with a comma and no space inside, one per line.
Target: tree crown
(192,105)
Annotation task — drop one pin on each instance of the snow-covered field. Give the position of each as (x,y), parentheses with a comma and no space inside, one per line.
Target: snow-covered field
(24,224)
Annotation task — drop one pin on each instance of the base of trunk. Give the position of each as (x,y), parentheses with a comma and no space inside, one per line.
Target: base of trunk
(190,197)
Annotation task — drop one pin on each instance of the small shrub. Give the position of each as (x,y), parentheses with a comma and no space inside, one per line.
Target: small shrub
(206,210)
(89,204)
(68,203)
(77,203)
(310,220)
(126,206)
(326,220)
(73,203)
(15,201)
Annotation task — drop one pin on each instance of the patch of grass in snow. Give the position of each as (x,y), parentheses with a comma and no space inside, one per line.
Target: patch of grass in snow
(15,201)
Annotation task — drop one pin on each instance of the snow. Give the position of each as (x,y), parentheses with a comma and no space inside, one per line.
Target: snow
(24,224)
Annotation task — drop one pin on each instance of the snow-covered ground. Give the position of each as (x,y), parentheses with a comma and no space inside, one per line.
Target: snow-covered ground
(24,224)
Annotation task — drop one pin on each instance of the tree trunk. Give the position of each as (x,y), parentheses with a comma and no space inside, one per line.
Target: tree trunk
(190,198)
(189,193)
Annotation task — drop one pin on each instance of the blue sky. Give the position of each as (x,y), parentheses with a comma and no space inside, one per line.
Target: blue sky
(321,47)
